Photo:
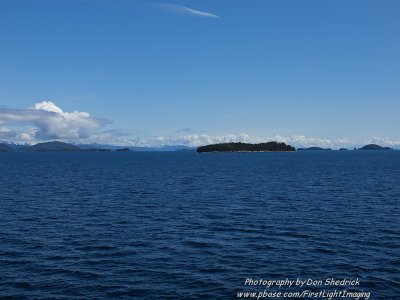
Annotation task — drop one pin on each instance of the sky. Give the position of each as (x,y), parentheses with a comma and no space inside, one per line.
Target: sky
(193,72)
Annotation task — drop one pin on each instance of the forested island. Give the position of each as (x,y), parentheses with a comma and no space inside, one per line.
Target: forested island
(245,147)
(374,147)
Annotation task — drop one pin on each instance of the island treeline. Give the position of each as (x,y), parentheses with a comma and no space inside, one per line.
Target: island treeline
(245,147)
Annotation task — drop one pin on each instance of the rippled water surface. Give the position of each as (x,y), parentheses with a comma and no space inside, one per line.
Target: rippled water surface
(194,226)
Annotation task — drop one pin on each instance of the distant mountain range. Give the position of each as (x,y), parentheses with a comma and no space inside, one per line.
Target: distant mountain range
(56,146)
(47,147)
(155,148)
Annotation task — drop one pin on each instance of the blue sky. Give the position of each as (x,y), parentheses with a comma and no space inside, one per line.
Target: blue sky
(192,72)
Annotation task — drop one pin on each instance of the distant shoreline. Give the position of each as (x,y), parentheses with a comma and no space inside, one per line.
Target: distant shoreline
(56,146)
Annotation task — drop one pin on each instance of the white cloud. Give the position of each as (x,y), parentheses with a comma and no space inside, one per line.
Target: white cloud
(183,10)
(50,122)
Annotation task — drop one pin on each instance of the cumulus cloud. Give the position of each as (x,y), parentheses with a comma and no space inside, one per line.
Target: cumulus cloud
(50,122)
(183,10)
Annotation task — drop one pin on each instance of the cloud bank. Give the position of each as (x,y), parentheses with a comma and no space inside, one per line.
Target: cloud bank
(194,140)
(46,121)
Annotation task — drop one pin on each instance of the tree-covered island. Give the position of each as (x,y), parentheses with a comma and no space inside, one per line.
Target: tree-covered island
(245,147)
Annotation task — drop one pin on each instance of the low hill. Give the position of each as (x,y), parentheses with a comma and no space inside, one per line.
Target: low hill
(5,148)
(245,147)
(374,147)
(54,146)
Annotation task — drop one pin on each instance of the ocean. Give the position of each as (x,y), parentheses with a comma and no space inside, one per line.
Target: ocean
(184,225)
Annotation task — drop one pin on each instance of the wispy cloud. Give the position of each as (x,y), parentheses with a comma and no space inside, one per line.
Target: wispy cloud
(184,10)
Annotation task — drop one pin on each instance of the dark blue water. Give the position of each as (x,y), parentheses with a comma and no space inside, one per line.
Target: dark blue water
(194,226)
